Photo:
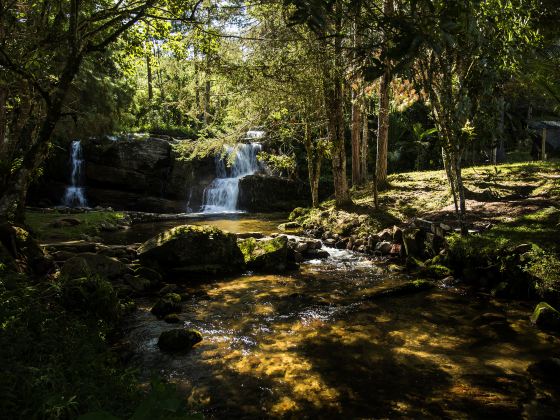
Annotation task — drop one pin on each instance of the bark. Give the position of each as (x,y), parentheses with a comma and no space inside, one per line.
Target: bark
(207,89)
(3,116)
(313,166)
(150,80)
(357,178)
(364,146)
(383,116)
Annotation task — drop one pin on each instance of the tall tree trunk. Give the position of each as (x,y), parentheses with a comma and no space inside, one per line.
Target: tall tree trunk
(313,166)
(357,177)
(207,89)
(3,116)
(383,118)
(150,79)
(364,146)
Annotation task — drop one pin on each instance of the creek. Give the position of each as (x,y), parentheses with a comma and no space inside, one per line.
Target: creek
(314,343)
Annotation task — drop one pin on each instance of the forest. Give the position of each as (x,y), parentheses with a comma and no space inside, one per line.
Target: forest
(279,209)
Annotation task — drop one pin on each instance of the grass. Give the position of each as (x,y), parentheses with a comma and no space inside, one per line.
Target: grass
(45,227)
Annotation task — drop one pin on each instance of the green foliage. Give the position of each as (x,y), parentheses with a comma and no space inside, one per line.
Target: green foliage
(279,164)
(55,363)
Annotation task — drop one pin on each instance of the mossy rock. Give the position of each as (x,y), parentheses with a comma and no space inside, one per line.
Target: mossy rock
(178,340)
(265,255)
(546,317)
(203,250)
(149,273)
(88,263)
(19,248)
(92,295)
(436,271)
(291,227)
(170,303)
(172,318)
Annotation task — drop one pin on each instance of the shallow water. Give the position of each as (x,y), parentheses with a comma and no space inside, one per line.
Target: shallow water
(231,222)
(312,344)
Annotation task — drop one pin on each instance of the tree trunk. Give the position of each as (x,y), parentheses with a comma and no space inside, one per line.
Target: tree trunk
(207,89)
(150,80)
(364,147)
(357,178)
(313,166)
(383,118)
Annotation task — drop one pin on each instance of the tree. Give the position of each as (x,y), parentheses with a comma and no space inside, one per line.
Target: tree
(42,48)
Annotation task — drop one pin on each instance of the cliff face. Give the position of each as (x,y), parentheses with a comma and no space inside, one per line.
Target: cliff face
(129,174)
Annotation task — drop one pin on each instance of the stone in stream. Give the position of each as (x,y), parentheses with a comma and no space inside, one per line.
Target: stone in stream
(546,317)
(265,255)
(177,340)
(169,304)
(89,263)
(202,250)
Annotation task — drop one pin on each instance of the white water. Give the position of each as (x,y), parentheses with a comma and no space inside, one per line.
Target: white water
(75,194)
(221,195)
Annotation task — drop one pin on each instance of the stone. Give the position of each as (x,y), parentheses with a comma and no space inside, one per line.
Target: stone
(89,263)
(397,235)
(386,235)
(546,317)
(264,193)
(265,255)
(138,284)
(245,235)
(319,254)
(172,319)
(383,247)
(72,246)
(301,247)
(170,303)
(149,273)
(330,242)
(413,240)
(204,250)
(177,340)
(93,295)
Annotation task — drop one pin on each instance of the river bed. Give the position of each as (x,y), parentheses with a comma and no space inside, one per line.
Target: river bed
(311,344)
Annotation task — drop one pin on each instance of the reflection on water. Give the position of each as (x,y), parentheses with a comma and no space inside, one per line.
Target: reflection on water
(309,344)
(231,222)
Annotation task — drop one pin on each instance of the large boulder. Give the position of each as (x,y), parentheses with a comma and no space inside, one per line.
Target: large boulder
(270,193)
(88,263)
(21,252)
(193,249)
(177,340)
(265,255)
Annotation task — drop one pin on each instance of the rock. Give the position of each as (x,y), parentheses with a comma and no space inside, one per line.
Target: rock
(62,255)
(546,317)
(489,317)
(301,247)
(177,340)
(168,288)
(298,257)
(395,249)
(65,222)
(330,242)
(269,193)
(547,370)
(172,319)
(72,246)
(407,288)
(413,240)
(522,249)
(386,235)
(397,235)
(193,249)
(383,247)
(21,249)
(170,303)
(91,295)
(319,254)
(291,227)
(138,284)
(149,273)
(89,263)
(245,235)
(265,255)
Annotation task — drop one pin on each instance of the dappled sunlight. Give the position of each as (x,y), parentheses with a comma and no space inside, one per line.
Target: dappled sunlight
(310,344)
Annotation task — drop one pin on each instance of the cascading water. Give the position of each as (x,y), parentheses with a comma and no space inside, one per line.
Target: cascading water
(75,194)
(221,195)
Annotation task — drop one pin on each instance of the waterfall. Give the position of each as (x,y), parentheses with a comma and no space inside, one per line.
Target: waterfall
(75,194)
(221,195)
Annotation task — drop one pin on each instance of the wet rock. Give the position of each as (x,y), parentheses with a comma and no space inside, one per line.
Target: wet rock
(547,370)
(546,317)
(170,303)
(91,295)
(168,288)
(413,240)
(386,235)
(137,283)
(172,319)
(73,246)
(265,255)
(195,249)
(488,318)
(89,263)
(149,273)
(383,247)
(177,340)
(330,242)
(397,235)
(301,247)
(404,289)
(319,254)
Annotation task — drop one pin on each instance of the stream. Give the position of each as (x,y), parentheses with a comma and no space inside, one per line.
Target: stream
(310,344)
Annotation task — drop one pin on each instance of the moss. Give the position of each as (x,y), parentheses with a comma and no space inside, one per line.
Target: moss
(545,316)
(44,227)
(268,254)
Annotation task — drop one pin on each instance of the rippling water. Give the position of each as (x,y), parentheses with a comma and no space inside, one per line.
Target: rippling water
(311,344)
